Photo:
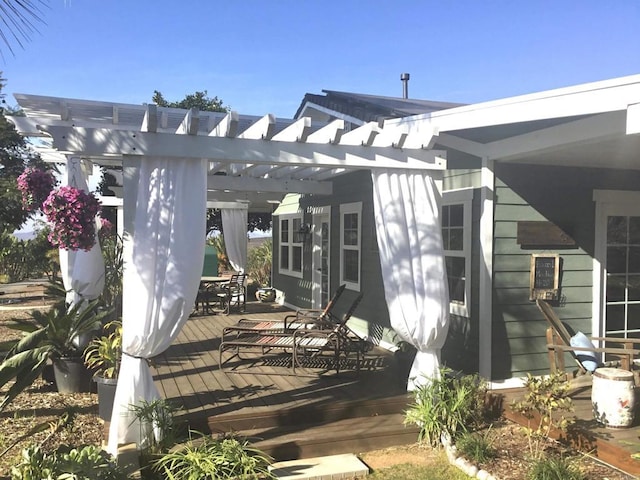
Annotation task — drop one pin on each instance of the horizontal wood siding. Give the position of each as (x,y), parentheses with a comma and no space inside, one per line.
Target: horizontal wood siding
(350,188)
(563,196)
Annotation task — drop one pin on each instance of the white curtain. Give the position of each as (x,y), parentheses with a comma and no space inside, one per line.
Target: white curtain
(406,205)
(234,226)
(163,261)
(82,272)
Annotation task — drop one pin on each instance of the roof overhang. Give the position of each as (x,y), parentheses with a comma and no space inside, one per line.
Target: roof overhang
(251,159)
(590,125)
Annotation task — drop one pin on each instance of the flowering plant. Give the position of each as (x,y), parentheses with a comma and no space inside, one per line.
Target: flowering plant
(35,185)
(72,214)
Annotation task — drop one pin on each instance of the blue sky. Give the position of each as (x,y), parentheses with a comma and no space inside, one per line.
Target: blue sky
(263,56)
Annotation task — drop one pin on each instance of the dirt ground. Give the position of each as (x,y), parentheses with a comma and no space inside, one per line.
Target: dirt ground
(42,404)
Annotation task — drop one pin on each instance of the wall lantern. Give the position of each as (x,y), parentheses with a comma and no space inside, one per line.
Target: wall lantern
(301,235)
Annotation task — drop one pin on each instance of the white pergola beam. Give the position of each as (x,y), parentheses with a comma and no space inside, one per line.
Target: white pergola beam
(190,123)
(261,129)
(298,131)
(222,182)
(363,135)
(330,133)
(253,198)
(227,127)
(150,121)
(104,142)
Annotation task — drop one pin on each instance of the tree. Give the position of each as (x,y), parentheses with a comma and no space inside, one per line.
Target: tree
(14,157)
(201,101)
(19,19)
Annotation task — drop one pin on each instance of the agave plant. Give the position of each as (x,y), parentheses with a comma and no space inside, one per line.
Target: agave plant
(50,334)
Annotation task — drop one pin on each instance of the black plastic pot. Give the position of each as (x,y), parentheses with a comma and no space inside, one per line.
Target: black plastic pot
(106,395)
(71,375)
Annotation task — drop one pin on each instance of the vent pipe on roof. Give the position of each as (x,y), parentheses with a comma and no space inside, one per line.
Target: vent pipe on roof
(404,78)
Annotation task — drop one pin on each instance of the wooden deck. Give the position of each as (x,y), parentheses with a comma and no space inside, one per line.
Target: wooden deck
(317,412)
(260,396)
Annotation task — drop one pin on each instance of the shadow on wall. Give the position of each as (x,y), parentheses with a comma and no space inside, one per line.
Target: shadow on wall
(460,351)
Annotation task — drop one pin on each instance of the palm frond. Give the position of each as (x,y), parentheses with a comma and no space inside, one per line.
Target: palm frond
(19,20)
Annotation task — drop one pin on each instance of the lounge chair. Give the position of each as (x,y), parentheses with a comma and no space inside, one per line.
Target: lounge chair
(303,318)
(580,347)
(339,341)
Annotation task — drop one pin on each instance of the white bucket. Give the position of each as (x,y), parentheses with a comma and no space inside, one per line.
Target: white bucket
(613,397)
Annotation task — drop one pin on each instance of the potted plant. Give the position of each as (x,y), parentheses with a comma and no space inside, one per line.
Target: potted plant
(102,356)
(51,335)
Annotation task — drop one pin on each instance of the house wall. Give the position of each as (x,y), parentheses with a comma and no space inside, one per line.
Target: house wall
(372,318)
(563,196)
(372,312)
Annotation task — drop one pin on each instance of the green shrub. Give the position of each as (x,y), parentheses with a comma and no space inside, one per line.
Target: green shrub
(86,463)
(476,447)
(209,458)
(545,399)
(447,405)
(554,468)
(259,263)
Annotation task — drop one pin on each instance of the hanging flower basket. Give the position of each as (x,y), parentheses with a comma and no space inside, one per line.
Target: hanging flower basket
(35,185)
(72,213)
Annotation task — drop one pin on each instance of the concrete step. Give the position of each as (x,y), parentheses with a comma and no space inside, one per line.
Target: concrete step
(346,466)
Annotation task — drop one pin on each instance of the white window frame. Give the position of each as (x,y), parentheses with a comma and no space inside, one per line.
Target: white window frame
(291,244)
(349,208)
(462,197)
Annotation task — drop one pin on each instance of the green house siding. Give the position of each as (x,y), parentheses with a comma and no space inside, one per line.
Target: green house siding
(372,313)
(563,196)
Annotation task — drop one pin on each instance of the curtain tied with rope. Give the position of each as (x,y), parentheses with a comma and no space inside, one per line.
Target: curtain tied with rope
(163,258)
(406,206)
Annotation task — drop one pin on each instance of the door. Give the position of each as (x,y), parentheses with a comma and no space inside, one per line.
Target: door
(618,251)
(622,280)
(321,287)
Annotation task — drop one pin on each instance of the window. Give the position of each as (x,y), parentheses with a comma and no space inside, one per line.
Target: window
(456,239)
(350,240)
(290,245)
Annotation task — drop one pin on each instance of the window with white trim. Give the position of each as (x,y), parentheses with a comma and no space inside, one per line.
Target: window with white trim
(350,244)
(456,239)
(290,245)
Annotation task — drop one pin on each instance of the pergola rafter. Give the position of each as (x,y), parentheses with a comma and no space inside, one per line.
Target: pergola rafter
(245,153)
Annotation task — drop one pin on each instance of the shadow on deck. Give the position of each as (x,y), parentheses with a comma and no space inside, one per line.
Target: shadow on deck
(313,412)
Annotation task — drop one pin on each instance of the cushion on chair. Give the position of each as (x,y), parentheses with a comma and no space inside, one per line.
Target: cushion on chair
(589,360)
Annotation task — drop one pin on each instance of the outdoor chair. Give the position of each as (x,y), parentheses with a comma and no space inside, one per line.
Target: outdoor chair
(233,294)
(204,297)
(581,348)
(339,342)
(303,318)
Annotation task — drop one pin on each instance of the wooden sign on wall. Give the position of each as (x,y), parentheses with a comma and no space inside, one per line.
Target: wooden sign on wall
(544,276)
(536,234)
